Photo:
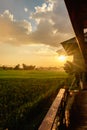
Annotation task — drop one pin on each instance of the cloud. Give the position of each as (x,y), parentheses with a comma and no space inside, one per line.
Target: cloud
(43,12)
(12,31)
(26,9)
(7,15)
(61,18)
(46,34)
(53,26)
(44,8)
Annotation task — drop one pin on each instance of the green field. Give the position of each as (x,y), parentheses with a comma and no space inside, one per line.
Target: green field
(22,93)
(31,74)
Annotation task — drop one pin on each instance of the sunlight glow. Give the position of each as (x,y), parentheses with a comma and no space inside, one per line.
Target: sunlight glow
(62,58)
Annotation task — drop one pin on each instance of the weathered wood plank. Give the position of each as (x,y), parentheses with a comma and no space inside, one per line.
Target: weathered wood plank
(50,116)
(79,120)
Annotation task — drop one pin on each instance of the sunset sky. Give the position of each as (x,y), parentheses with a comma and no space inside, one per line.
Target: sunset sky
(31,31)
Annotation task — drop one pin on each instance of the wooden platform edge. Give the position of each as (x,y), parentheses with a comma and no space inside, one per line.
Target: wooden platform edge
(48,121)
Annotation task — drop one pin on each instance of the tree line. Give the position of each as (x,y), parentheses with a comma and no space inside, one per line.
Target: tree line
(18,67)
(28,67)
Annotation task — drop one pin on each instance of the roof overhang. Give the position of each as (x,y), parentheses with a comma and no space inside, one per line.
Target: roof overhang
(78,14)
(70,46)
(77,10)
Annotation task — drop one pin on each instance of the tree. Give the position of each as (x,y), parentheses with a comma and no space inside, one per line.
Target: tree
(28,67)
(17,67)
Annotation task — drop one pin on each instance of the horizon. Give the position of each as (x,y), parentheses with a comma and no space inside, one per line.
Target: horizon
(31,32)
(60,63)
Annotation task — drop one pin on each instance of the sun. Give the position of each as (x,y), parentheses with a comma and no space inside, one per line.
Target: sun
(62,58)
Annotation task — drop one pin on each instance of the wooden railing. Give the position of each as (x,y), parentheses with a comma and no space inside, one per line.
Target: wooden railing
(56,114)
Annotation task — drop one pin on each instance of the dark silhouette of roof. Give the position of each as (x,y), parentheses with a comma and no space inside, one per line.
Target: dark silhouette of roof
(70,46)
(77,10)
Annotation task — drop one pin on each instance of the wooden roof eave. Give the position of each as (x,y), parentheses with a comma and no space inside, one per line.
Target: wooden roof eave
(73,10)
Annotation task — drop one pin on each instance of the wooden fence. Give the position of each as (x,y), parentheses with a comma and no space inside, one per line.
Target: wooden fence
(56,114)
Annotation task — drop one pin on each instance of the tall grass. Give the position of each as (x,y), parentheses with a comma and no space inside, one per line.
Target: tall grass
(20,96)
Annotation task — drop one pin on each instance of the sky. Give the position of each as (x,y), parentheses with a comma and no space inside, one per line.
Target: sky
(31,31)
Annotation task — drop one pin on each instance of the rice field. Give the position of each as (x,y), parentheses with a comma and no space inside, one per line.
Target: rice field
(22,92)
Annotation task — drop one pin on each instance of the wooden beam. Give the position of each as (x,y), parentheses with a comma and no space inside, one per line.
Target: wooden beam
(51,115)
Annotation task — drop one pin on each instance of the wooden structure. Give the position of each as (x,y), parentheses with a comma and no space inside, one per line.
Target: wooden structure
(77,10)
(71,48)
(78,119)
(55,115)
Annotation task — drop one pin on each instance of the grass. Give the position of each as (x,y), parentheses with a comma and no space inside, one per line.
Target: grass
(31,74)
(21,93)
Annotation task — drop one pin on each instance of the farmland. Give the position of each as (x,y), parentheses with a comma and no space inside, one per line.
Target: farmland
(25,92)
(31,74)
